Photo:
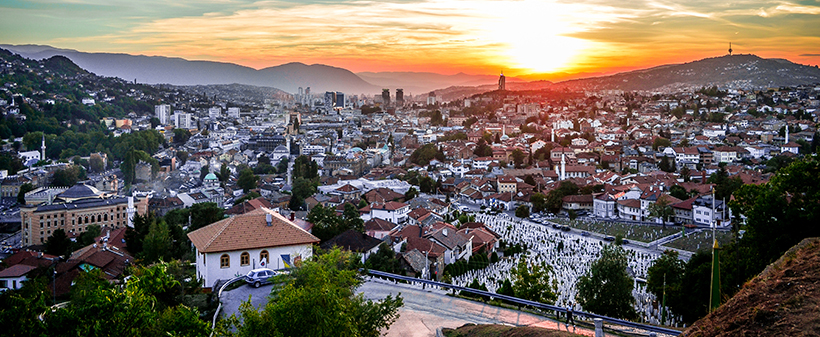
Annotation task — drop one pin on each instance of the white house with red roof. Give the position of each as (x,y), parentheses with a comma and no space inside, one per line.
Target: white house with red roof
(393,211)
(234,246)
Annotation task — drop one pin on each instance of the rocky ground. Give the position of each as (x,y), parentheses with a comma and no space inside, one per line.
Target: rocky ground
(784,300)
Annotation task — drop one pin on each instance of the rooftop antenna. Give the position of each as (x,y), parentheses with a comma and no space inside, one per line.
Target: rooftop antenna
(730,49)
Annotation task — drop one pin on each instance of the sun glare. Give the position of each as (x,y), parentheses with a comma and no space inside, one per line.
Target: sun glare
(533,35)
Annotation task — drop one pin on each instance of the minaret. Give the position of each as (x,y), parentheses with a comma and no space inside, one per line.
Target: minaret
(730,49)
(552,138)
(563,167)
(787,135)
(43,148)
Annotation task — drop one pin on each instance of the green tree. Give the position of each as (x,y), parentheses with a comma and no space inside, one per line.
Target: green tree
(326,224)
(140,307)
(352,219)
(522,211)
(157,243)
(691,299)
(724,186)
(606,288)
(225,173)
(247,180)
(532,282)
(665,276)
(66,177)
(95,163)
(303,188)
(384,260)
(779,214)
(204,172)
(319,299)
(183,157)
(181,136)
(660,142)
(410,194)
(21,195)
(426,153)
(518,157)
(539,202)
(205,213)
(135,235)
(482,149)
(660,209)
(58,243)
(679,192)
(555,198)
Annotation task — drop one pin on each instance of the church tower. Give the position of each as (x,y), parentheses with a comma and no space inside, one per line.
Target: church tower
(502,82)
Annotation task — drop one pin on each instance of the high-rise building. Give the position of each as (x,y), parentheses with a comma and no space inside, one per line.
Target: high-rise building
(163,113)
(330,101)
(340,100)
(183,120)
(214,112)
(502,82)
(386,96)
(400,97)
(431,98)
(233,112)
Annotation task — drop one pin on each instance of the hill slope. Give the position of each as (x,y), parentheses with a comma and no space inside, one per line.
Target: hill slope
(784,300)
(739,71)
(158,69)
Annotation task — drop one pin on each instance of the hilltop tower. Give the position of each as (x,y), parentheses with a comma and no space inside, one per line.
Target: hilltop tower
(502,82)
(730,49)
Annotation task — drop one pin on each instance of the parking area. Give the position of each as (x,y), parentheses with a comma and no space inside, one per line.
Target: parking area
(233,298)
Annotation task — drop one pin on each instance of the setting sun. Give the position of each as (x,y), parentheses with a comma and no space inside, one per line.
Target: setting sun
(532,33)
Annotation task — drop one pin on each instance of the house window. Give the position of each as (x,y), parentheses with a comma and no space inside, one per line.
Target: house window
(263,256)
(244,259)
(224,261)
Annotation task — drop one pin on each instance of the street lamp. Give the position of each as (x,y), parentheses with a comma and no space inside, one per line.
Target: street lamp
(54,283)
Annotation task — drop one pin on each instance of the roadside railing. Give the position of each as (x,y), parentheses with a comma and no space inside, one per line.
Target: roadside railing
(523,302)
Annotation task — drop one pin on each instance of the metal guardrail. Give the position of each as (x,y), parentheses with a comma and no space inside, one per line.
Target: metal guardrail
(219,298)
(523,302)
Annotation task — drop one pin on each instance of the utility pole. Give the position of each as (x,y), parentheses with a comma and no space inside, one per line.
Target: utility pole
(663,302)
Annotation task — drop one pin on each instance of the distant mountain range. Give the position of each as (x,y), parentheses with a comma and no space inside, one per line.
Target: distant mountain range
(157,69)
(737,71)
(740,71)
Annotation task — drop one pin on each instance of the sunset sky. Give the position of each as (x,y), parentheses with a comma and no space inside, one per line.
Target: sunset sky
(446,36)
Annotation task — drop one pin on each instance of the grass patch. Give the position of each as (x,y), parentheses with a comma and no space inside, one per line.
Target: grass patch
(701,240)
(635,232)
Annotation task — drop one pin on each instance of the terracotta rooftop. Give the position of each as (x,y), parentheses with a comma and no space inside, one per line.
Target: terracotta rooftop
(249,231)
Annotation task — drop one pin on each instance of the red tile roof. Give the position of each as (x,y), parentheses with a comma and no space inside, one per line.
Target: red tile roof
(249,231)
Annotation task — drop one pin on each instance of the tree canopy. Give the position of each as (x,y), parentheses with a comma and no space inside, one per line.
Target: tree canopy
(317,299)
(606,288)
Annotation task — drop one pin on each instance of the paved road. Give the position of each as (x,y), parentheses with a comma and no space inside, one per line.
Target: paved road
(424,310)
(232,299)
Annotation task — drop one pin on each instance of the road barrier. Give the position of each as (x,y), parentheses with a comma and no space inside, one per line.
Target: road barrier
(523,302)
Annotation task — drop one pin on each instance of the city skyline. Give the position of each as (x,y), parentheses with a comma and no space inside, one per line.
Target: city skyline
(521,38)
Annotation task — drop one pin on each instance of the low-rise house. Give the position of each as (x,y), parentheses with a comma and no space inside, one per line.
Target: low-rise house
(378,228)
(236,245)
(355,242)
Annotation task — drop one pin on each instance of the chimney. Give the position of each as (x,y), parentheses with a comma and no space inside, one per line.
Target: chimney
(269,219)
(444,231)
(292,216)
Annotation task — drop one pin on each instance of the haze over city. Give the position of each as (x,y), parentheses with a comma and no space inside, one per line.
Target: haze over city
(528,39)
